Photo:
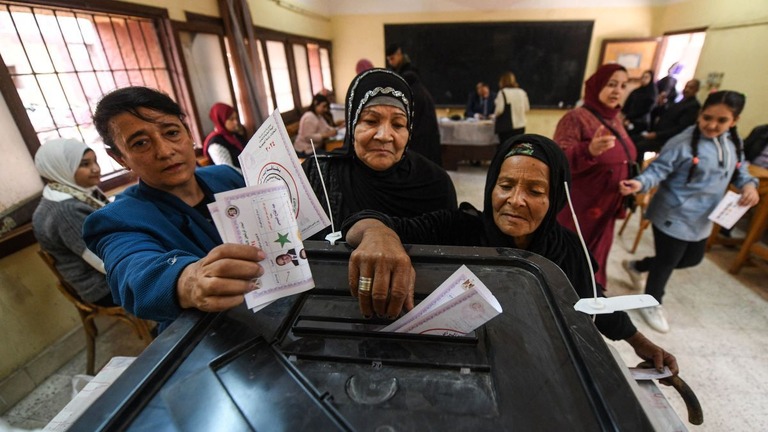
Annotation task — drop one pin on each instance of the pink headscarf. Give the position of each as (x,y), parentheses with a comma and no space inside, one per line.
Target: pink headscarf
(219,114)
(595,84)
(363,65)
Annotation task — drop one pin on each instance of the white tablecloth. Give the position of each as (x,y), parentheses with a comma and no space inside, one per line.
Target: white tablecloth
(467,132)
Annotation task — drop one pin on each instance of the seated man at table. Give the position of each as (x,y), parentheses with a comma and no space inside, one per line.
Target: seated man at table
(480,104)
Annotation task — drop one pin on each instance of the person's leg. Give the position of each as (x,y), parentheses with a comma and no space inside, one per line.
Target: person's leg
(669,253)
(694,254)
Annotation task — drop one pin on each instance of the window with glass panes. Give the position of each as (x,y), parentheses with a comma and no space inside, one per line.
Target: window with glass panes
(62,61)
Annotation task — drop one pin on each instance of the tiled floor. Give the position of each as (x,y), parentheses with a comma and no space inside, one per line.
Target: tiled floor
(40,406)
(719,333)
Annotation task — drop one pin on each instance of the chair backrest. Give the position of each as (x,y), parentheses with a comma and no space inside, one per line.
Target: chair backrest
(68,290)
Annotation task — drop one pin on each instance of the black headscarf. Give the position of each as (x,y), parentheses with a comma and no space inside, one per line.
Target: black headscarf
(550,238)
(371,84)
(413,185)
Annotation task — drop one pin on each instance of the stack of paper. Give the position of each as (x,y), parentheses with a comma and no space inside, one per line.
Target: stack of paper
(262,216)
(458,306)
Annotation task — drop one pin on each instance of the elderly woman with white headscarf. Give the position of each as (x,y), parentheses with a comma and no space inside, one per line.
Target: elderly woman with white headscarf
(71,193)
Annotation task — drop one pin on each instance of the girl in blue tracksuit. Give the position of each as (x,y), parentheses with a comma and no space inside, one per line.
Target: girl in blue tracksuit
(692,172)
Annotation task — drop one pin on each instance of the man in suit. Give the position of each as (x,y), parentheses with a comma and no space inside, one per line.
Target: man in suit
(481,102)
(674,120)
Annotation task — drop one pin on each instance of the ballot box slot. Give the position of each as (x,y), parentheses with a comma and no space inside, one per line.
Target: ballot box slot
(412,364)
(318,325)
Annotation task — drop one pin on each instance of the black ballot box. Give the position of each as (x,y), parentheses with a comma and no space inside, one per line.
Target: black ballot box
(311,362)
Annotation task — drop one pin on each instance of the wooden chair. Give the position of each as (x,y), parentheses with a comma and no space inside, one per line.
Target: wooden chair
(89,311)
(642,200)
(750,244)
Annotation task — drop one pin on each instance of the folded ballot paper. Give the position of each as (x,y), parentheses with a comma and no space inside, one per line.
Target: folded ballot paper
(274,212)
(458,306)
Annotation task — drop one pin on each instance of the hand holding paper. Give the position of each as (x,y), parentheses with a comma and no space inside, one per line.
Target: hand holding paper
(728,211)
(262,216)
(219,280)
(458,306)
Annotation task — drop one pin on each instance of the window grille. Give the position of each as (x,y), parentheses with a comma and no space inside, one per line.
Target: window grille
(63,61)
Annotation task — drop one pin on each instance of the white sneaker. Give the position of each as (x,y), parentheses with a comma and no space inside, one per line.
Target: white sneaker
(655,318)
(638,279)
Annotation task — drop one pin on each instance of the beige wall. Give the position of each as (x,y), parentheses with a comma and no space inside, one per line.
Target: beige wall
(349,45)
(33,314)
(264,13)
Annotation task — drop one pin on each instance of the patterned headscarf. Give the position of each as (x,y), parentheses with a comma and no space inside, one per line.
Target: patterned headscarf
(376,87)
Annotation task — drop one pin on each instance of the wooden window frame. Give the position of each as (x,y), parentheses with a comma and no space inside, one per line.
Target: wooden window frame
(22,236)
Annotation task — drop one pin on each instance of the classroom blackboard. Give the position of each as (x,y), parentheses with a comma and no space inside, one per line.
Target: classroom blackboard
(548,57)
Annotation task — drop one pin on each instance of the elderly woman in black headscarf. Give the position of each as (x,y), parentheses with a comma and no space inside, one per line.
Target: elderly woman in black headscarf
(524,192)
(375,169)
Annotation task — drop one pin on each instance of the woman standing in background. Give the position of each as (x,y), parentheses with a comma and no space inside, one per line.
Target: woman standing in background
(599,152)
(512,101)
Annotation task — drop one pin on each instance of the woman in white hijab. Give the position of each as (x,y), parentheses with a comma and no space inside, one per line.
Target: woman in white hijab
(71,193)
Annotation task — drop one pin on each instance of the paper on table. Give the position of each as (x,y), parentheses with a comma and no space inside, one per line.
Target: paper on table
(269,156)
(262,216)
(728,211)
(459,305)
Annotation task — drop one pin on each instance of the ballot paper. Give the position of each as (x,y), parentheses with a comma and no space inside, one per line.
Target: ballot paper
(269,156)
(649,373)
(262,216)
(728,211)
(458,306)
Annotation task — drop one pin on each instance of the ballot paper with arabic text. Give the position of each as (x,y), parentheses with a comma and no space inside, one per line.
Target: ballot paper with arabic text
(262,216)
(728,210)
(458,306)
(269,156)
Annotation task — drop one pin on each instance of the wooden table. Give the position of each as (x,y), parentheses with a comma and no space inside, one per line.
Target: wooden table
(751,243)
(467,140)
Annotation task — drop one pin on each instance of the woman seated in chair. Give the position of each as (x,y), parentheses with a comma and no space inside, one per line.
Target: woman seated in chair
(71,193)
(314,128)
(227,140)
